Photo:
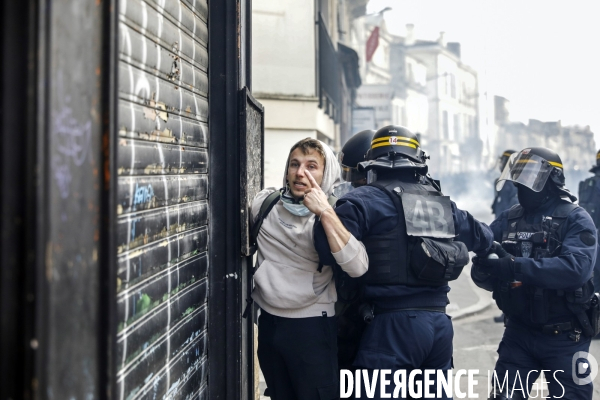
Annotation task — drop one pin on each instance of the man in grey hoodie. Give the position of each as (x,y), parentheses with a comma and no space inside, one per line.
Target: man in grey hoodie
(297,347)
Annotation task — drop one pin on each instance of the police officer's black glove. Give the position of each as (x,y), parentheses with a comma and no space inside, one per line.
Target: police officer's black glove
(502,268)
(495,249)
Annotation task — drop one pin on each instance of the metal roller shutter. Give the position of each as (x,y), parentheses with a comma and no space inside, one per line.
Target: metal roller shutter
(162,199)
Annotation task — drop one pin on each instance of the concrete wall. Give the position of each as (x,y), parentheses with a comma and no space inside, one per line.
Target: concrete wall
(283,47)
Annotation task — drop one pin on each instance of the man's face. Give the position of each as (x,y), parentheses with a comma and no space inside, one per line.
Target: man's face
(298,165)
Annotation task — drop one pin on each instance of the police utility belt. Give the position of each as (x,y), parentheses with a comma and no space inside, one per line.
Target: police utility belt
(524,240)
(419,251)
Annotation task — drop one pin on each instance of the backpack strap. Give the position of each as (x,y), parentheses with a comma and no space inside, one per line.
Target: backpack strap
(265,209)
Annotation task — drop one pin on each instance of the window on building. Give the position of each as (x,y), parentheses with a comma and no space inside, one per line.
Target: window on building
(470,126)
(450,85)
(445,127)
(457,130)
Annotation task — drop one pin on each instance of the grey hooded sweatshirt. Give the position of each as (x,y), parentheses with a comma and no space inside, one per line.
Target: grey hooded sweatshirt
(287,283)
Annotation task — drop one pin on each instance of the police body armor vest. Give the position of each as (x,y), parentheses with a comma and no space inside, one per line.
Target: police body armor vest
(423,212)
(589,198)
(539,240)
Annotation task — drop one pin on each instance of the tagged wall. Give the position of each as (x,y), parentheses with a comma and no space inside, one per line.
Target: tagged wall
(162,199)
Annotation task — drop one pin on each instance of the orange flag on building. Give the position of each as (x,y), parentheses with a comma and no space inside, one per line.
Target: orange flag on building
(372,43)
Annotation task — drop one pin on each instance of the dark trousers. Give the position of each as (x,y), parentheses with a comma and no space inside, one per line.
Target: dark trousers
(406,340)
(528,352)
(298,357)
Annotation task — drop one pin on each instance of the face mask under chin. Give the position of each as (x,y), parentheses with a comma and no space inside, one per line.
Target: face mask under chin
(529,199)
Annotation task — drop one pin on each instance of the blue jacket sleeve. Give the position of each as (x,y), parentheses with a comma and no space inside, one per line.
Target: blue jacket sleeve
(573,266)
(499,225)
(482,280)
(476,235)
(362,211)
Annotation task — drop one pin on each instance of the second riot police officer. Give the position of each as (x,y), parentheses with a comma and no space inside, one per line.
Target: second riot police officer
(352,153)
(589,198)
(417,240)
(506,197)
(541,280)
(589,193)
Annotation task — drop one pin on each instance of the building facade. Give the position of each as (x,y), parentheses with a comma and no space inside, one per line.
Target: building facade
(453,94)
(574,144)
(394,82)
(424,86)
(305,73)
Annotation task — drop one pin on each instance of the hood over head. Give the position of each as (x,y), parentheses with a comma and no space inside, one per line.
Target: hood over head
(331,174)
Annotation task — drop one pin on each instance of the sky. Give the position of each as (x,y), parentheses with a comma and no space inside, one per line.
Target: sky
(543,56)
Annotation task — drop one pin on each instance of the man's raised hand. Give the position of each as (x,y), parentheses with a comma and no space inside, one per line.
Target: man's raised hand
(314,198)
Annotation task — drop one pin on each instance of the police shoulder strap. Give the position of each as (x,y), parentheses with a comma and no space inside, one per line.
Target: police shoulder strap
(564,209)
(389,187)
(559,216)
(435,183)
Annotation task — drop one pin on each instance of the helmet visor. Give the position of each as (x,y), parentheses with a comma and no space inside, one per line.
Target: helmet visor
(526,169)
(352,175)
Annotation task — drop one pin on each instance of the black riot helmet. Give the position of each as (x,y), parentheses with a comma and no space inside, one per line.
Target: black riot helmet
(395,147)
(596,167)
(503,159)
(353,153)
(532,168)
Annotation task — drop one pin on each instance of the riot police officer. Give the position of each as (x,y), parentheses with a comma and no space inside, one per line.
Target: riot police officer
(589,192)
(541,279)
(589,198)
(407,227)
(349,291)
(506,197)
(352,153)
